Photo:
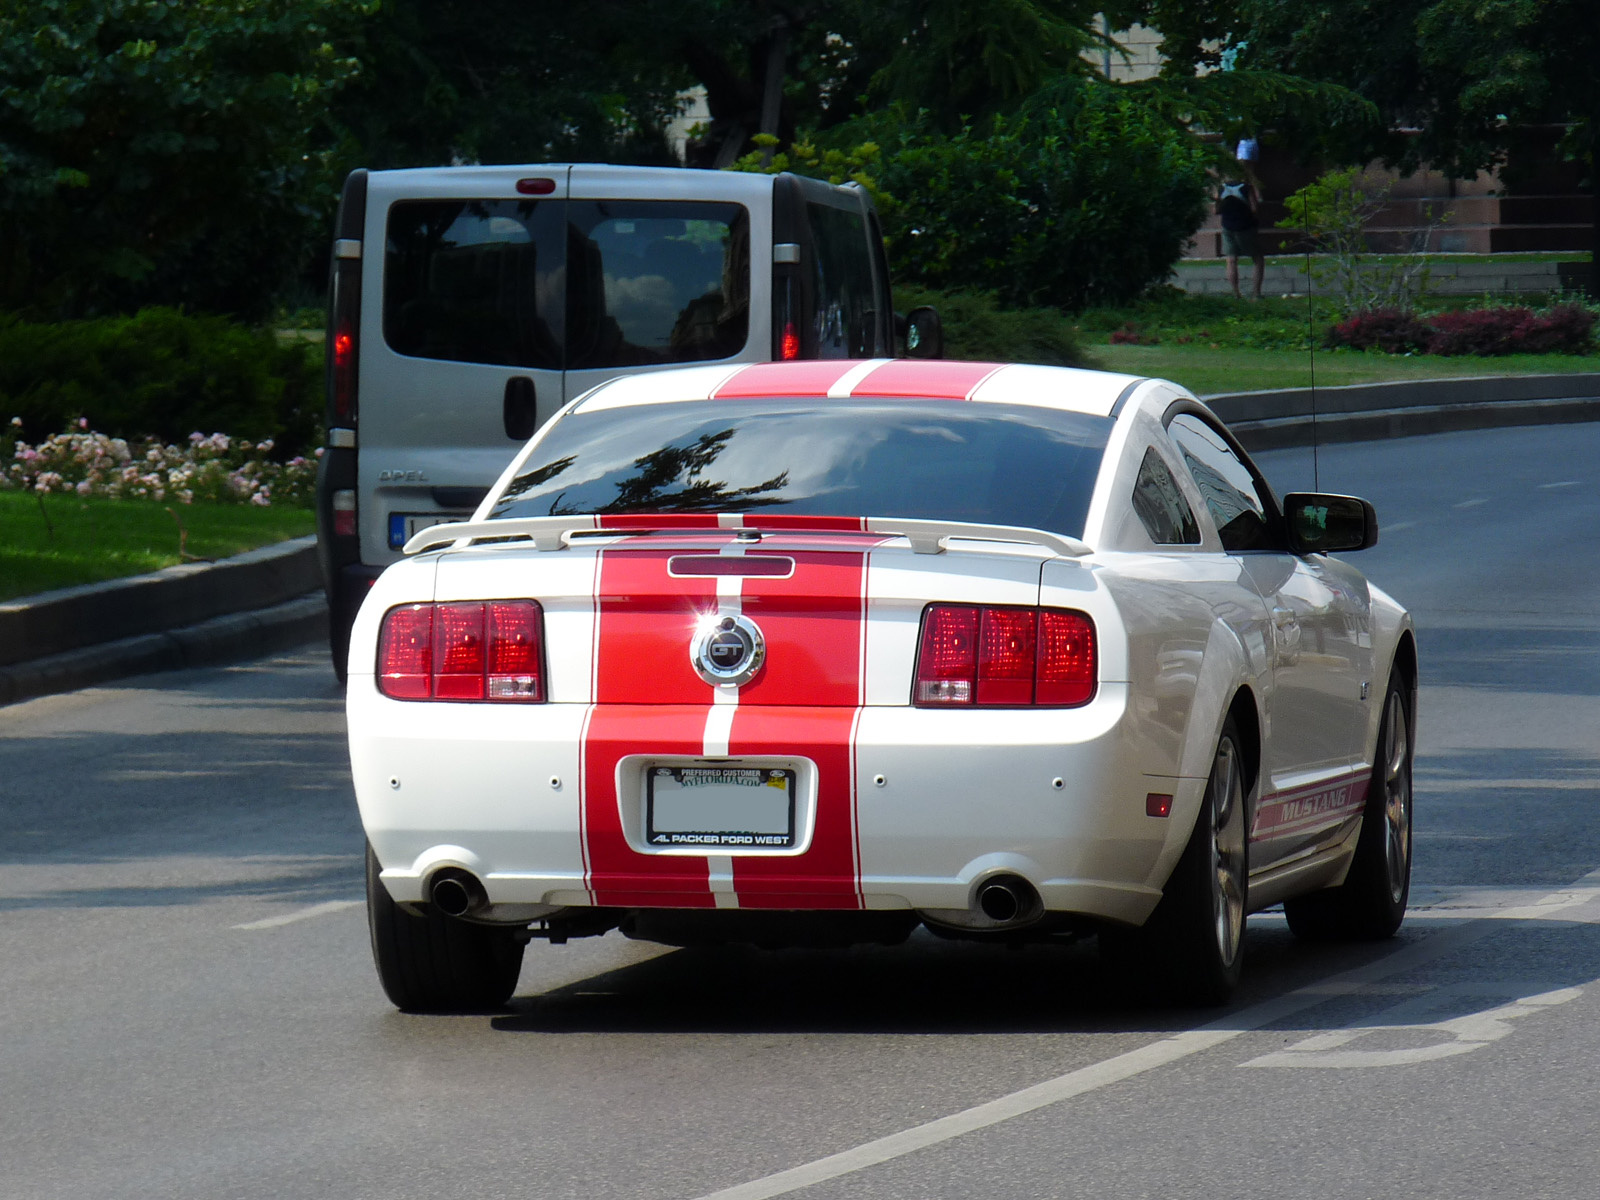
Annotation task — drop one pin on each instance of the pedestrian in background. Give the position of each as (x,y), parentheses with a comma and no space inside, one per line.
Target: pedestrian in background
(1236,205)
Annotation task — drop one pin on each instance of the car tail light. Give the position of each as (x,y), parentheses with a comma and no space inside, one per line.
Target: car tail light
(790,347)
(463,651)
(1005,655)
(997,657)
(1067,668)
(947,665)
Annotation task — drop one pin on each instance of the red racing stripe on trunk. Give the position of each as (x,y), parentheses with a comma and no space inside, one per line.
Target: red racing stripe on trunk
(648,701)
(807,704)
(826,875)
(619,875)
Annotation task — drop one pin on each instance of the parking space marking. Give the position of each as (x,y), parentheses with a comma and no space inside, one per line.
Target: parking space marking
(1145,1058)
(300,914)
(1433,1040)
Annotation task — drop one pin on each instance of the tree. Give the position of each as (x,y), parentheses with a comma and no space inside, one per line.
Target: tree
(156,151)
(1464,73)
(500,81)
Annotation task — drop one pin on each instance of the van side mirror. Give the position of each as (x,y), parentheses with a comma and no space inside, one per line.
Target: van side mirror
(1320,523)
(923,332)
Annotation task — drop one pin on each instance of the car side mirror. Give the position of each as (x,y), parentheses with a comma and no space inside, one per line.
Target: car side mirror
(924,333)
(1320,523)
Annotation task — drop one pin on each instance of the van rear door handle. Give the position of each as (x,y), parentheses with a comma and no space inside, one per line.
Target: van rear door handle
(521,408)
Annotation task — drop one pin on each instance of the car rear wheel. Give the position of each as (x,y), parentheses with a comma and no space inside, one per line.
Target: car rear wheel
(1371,902)
(429,962)
(1193,944)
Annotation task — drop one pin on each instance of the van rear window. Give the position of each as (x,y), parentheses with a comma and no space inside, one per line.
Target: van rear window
(656,281)
(561,284)
(475,281)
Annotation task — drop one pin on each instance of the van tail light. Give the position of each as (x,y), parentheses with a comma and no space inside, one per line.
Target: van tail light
(1005,657)
(790,349)
(343,340)
(463,651)
(344,513)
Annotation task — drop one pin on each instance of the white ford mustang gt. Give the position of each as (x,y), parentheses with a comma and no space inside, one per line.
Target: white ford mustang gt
(815,653)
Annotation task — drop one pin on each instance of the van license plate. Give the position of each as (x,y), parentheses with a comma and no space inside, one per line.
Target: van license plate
(404,526)
(720,806)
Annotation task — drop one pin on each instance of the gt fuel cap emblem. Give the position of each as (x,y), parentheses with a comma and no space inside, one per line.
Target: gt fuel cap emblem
(727,649)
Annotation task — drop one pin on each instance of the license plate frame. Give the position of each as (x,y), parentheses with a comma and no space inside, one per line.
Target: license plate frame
(722,808)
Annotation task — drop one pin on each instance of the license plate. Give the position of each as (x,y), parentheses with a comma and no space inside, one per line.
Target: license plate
(720,806)
(404,526)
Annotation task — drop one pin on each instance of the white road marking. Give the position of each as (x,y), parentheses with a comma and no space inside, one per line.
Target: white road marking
(1436,1039)
(300,914)
(1545,487)
(1473,503)
(1135,1062)
(1396,526)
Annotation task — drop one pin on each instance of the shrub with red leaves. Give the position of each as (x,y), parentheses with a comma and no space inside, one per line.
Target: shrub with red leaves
(1564,329)
(1385,329)
(1482,331)
(1131,335)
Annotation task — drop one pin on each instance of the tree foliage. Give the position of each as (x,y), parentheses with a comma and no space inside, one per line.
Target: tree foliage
(153,150)
(1088,204)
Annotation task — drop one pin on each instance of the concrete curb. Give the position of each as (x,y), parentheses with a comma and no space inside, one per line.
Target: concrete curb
(1363,412)
(221,639)
(54,622)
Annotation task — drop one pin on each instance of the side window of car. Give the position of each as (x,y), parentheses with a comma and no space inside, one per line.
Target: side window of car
(1167,517)
(1230,490)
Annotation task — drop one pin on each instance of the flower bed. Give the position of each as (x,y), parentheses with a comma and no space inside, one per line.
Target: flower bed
(215,468)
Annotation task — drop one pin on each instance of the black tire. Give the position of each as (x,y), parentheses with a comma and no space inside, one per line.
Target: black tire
(431,963)
(1370,904)
(1192,947)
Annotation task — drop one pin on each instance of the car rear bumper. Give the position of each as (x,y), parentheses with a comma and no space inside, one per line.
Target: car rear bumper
(898,807)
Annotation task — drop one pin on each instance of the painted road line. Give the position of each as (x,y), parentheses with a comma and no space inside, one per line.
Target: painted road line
(1145,1058)
(300,914)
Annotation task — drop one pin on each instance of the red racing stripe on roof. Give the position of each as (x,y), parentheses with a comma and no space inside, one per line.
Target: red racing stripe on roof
(930,377)
(811,378)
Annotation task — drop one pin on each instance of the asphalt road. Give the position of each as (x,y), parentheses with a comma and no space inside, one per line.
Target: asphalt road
(188,1008)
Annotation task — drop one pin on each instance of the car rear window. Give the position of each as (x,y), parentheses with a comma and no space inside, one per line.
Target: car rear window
(936,459)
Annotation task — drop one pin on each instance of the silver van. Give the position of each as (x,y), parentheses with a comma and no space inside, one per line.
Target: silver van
(468,304)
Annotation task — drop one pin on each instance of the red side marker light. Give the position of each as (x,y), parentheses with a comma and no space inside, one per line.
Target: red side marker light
(1157,805)
(536,187)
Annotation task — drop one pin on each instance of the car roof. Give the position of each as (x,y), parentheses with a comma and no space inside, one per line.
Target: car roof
(1095,393)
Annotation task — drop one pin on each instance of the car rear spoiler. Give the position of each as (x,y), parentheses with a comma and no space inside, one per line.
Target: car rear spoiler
(556,533)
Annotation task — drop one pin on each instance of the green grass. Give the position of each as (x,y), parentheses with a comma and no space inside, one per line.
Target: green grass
(94,540)
(1206,372)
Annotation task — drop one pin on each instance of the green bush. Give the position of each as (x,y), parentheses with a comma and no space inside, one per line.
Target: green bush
(976,328)
(1087,205)
(161,373)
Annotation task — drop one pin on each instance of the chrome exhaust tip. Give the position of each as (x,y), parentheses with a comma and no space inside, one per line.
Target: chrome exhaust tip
(457,893)
(1005,899)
